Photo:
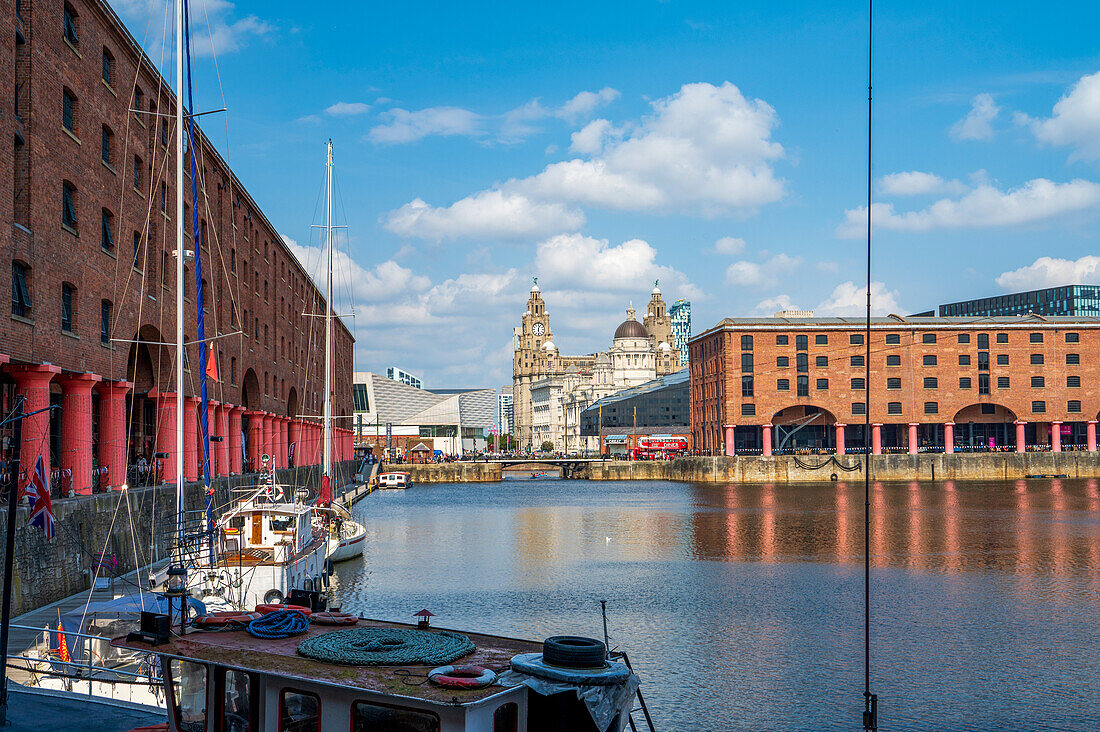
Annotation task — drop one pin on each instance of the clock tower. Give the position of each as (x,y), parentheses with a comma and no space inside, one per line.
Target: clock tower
(533,356)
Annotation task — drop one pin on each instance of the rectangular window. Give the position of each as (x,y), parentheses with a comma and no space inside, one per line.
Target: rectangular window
(964,359)
(893,339)
(746,386)
(893,408)
(105,322)
(189,691)
(108,67)
(1073,359)
(983,383)
(983,341)
(1002,382)
(781,340)
(989,409)
(1036,359)
(822,384)
(964,382)
(748,410)
(237,708)
(821,339)
(964,337)
(1002,337)
(68,205)
(782,362)
(105,146)
(856,339)
(1072,338)
(67,307)
(1039,407)
(137,250)
(931,382)
(821,361)
(783,385)
(68,110)
(931,408)
(373,718)
(801,342)
(1073,382)
(746,363)
(929,359)
(893,360)
(299,711)
(1002,359)
(859,383)
(1073,406)
(928,338)
(893,383)
(859,407)
(803,386)
(856,361)
(1035,338)
(106,238)
(20,293)
(1038,382)
(70,25)
(137,172)
(802,363)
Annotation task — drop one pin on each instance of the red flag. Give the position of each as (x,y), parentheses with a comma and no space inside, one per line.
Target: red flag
(63,647)
(325,499)
(212,365)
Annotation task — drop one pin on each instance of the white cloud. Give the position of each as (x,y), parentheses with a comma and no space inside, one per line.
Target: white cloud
(489,214)
(978,122)
(406,126)
(213,30)
(1075,121)
(761,274)
(850,299)
(1052,272)
(576,262)
(772,305)
(366,285)
(917,183)
(585,103)
(589,139)
(729,245)
(347,109)
(984,206)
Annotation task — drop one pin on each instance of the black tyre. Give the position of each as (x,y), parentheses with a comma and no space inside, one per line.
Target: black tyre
(273,597)
(574,651)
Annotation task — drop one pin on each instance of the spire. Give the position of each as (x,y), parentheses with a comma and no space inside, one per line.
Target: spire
(630,311)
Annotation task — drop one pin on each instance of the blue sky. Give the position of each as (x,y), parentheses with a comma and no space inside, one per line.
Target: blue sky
(719,147)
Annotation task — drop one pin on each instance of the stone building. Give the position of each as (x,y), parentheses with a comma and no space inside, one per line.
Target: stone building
(549,391)
(88,241)
(763,385)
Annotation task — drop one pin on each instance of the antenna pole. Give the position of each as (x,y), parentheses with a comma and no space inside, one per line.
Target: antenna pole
(328,318)
(870,701)
(180,284)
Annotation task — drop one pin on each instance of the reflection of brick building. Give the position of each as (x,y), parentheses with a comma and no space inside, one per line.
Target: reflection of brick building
(936,383)
(88,235)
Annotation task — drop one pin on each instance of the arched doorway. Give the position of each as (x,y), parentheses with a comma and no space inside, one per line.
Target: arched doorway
(292,403)
(149,368)
(251,396)
(984,427)
(803,428)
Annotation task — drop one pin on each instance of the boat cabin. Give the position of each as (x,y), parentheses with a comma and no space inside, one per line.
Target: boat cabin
(394,479)
(267,531)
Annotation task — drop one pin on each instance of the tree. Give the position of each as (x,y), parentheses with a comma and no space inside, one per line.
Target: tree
(547,446)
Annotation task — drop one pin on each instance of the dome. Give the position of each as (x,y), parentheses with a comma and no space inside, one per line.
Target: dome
(631,329)
(662,346)
(549,346)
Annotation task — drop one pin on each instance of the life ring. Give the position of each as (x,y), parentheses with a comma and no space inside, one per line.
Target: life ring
(224,618)
(334,618)
(270,608)
(462,677)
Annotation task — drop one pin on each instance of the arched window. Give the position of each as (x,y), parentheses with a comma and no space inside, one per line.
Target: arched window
(70,27)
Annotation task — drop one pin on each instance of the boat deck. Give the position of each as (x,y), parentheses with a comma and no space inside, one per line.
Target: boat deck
(237,649)
(34,710)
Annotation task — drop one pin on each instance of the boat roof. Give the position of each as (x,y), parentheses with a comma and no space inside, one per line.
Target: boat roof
(237,649)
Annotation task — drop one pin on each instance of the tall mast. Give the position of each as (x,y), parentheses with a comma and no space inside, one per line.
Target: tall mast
(180,284)
(328,317)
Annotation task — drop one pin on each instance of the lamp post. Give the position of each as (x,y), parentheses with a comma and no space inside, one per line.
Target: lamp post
(177,588)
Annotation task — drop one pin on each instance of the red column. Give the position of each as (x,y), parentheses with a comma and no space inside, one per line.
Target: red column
(166,434)
(284,441)
(766,434)
(76,430)
(221,449)
(33,384)
(840,438)
(730,449)
(191,438)
(235,457)
(294,437)
(269,437)
(876,439)
(1090,431)
(949,437)
(1021,439)
(913,438)
(1056,436)
(112,431)
(255,437)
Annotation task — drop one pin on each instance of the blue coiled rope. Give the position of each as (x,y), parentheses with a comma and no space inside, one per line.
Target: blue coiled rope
(279,624)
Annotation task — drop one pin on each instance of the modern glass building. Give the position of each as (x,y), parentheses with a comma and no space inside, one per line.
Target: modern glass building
(404,377)
(680,315)
(1071,300)
(504,409)
(663,405)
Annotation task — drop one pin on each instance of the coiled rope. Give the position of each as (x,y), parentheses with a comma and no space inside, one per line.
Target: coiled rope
(279,624)
(387,647)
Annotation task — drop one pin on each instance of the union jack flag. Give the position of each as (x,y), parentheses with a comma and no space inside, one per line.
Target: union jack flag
(38,488)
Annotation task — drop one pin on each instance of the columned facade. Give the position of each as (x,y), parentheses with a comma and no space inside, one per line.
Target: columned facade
(112,432)
(76,430)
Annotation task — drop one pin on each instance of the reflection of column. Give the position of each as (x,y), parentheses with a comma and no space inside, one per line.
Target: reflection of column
(1056,436)
(840,438)
(76,430)
(949,437)
(1021,438)
(876,439)
(112,431)
(234,438)
(1090,431)
(191,438)
(730,449)
(913,438)
(766,433)
(166,434)
(33,384)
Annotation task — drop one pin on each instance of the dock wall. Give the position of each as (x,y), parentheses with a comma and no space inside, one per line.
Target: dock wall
(88,527)
(453,472)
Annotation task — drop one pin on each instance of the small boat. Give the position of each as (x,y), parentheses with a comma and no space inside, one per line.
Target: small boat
(396,479)
(346,536)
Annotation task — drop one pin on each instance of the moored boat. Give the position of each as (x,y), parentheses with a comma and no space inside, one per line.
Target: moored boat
(394,479)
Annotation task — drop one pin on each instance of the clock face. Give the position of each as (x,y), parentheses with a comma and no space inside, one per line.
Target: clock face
(537,329)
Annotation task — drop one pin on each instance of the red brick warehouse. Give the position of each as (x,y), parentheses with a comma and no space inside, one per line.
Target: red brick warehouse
(770,385)
(88,247)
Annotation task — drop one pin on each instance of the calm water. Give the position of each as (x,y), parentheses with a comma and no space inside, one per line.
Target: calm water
(741,606)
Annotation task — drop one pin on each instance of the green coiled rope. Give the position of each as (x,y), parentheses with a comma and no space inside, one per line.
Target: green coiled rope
(387,647)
